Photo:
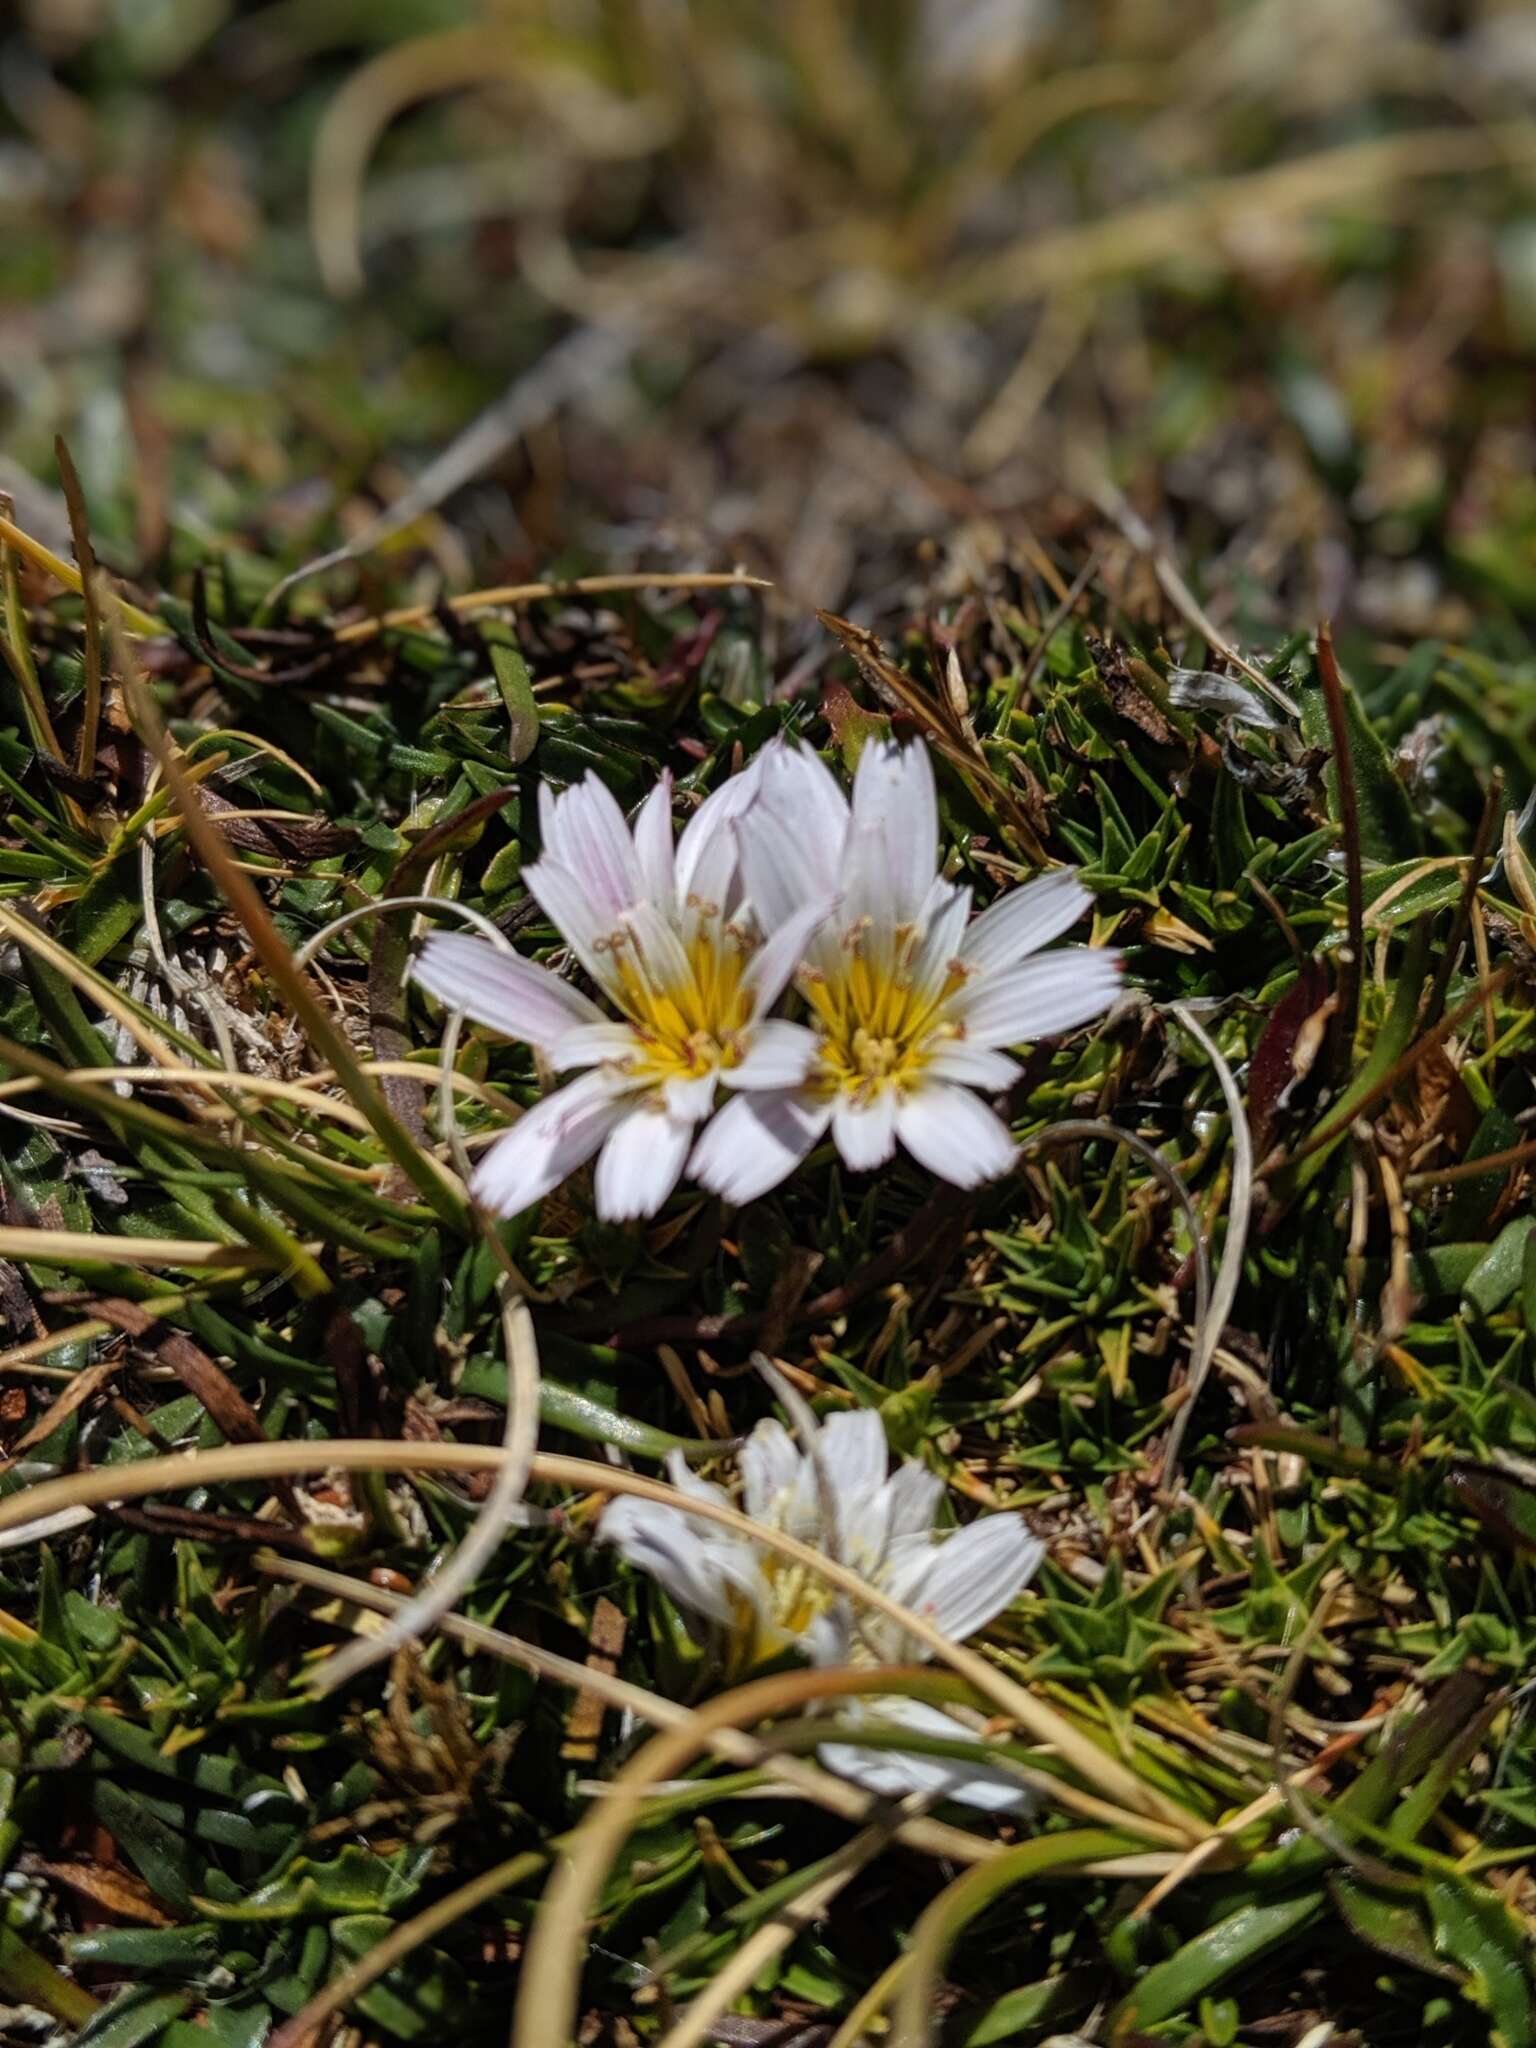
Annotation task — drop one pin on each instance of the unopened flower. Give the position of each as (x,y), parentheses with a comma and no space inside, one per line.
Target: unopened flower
(839,1498)
(666,937)
(911,1000)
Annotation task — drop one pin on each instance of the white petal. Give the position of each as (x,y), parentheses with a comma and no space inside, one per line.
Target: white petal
(1040,999)
(652,950)
(976,1066)
(586,833)
(640,1164)
(894,1773)
(755,1142)
(954,1135)
(914,1493)
(555,1137)
(690,1100)
(869,897)
(573,910)
(698,1573)
(792,836)
(854,1458)
(943,925)
(686,1480)
(653,843)
(1025,919)
(500,990)
(894,798)
(797,779)
(769,1464)
(710,827)
(778,1055)
(589,1045)
(973,1575)
(866,1131)
(776,959)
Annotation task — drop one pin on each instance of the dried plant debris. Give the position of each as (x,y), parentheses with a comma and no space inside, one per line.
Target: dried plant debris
(1245,1695)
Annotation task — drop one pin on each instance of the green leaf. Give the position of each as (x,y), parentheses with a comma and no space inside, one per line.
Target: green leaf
(516,687)
(1258,1933)
(1475,1928)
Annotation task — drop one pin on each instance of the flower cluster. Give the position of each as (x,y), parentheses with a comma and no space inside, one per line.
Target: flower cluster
(835,1495)
(777,880)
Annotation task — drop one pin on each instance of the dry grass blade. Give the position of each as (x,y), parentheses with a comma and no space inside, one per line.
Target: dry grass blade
(92,1248)
(471,601)
(136,621)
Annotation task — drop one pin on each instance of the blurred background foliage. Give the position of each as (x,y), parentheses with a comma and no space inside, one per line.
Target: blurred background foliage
(787,281)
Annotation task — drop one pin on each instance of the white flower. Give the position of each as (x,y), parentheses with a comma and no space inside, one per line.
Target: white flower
(666,936)
(839,1499)
(911,999)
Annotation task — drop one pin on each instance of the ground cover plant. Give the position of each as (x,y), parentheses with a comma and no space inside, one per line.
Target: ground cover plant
(1274,1654)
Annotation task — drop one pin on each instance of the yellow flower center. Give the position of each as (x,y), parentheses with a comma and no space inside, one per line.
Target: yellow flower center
(797,1597)
(878,1029)
(691,1021)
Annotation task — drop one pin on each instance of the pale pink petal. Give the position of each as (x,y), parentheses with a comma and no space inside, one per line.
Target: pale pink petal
(654,949)
(500,990)
(639,1165)
(555,1137)
(953,1134)
(698,1568)
(778,1055)
(943,926)
(1025,919)
(686,1480)
(770,968)
(755,1142)
(792,836)
(709,835)
(572,909)
(976,1066)
(653,843)
(586,832)
(865,1132)
(797,779)
(868,903)
(1040,999)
